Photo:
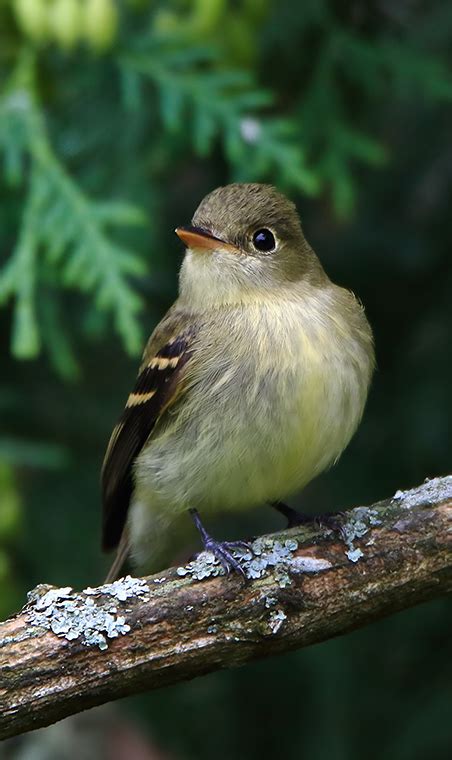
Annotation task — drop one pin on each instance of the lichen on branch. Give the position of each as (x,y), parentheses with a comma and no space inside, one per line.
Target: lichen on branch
(67,651)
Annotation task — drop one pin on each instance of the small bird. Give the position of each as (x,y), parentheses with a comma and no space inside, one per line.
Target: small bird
(252,384)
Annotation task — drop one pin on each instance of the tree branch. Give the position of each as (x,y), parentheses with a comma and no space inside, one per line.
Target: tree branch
(67,651)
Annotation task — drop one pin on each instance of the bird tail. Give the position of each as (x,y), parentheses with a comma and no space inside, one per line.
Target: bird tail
(158,543)
(119,561)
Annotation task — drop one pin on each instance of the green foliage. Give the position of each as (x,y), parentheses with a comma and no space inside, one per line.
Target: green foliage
(110,134)
(207,103)
(303,135)
(64,235)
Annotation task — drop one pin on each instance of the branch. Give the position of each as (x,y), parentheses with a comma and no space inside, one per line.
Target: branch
(67,651)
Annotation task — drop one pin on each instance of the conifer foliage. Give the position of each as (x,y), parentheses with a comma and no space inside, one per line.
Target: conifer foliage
(207,77)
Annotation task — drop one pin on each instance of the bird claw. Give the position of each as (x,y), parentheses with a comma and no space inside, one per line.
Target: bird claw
(222,550)
(332,522)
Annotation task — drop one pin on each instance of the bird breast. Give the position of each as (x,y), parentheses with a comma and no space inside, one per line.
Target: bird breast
(273,395)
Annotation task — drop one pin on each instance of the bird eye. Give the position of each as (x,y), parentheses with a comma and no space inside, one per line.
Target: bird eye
(264,240)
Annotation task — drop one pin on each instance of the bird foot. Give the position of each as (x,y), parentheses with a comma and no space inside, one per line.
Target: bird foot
(333,522)
(330,521)
(222,550)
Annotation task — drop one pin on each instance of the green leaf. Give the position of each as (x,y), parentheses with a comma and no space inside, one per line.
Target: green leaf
(70,232)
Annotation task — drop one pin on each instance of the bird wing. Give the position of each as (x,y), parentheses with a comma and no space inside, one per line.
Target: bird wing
(158,385)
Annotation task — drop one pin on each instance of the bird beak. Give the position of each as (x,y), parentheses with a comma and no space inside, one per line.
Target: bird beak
(198,239)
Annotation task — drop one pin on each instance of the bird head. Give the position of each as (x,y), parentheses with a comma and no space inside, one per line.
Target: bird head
(244,240)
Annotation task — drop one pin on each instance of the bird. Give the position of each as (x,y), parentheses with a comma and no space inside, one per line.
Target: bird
(251,385)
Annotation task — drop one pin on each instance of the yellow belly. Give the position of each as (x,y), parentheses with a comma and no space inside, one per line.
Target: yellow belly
(264,414)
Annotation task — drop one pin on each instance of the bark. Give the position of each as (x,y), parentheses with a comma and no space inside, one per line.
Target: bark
(67,651)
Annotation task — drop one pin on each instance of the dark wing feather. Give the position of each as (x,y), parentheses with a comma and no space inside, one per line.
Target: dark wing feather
(157,387)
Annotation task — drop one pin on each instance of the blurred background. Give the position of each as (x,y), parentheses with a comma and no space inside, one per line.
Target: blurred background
(116,118)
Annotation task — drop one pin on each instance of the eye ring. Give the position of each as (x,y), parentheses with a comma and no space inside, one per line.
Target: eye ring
(264,240)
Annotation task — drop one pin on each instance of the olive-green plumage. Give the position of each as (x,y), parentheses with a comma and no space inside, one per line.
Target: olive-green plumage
(252,384)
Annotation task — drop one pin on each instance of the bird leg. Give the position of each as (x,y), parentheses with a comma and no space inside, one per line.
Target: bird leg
(293,517)
(299,518)
(221,549)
